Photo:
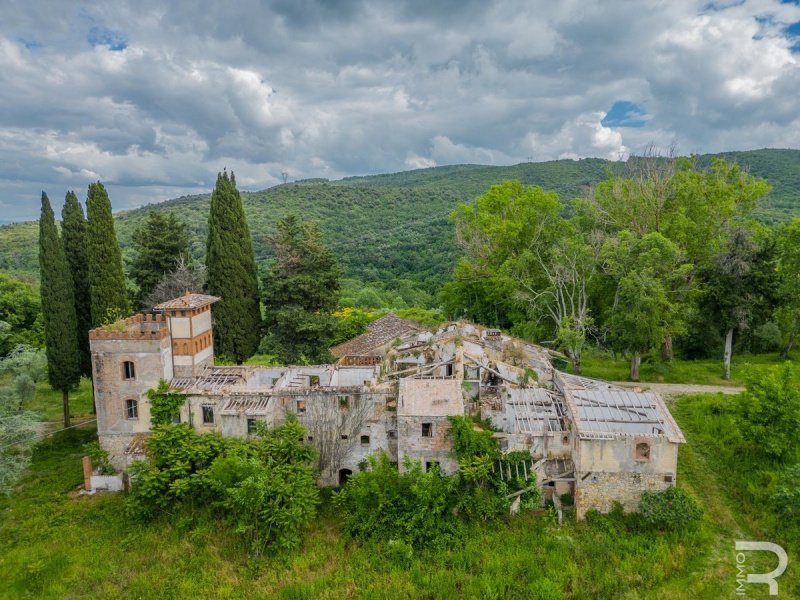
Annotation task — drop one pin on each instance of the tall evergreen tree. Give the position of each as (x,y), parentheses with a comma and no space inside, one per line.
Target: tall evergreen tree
(73,234)
(301,291)
(159,242)
(58,309)
(231,268)
(109,297)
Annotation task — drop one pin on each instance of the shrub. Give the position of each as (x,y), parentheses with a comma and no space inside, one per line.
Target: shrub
(669,510)
(786,498)
(100,461)
(264,486)
(413,507)
(769,413)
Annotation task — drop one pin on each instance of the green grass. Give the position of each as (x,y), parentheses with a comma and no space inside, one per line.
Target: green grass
(47,402)
(54,545)
(602,365)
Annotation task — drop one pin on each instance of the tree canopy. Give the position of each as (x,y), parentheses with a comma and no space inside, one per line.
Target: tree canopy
(158,243)
(301,290)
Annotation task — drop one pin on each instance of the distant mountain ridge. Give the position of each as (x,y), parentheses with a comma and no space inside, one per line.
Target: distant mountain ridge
(392,226)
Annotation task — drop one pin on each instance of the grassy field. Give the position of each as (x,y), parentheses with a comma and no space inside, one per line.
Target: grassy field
(47,403)
(603,365)
(54,544)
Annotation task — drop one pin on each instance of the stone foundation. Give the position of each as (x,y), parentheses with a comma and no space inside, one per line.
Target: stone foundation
(599,491)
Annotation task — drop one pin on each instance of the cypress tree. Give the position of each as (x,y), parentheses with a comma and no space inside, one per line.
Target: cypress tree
(109,297)
(232,276)
(58,309)
(73,234)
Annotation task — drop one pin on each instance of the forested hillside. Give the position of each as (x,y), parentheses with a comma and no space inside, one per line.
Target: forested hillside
(387,227)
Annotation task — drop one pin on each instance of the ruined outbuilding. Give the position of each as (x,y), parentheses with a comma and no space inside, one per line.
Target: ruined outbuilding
(393,389)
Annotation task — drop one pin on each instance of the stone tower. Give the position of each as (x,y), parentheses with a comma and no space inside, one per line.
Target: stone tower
(129,358)
(189,322)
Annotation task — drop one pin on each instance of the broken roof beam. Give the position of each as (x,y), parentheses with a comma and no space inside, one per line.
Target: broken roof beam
(482,366)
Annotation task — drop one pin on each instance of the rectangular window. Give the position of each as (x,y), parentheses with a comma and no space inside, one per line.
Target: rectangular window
(132,409)
(345,436)
(313,380)
(208,415)
(176,419)
(433,464)
(391,404)
(301,406)
(427,430)
(391,434)
(344,402)
(365,440)
(448,370)
(128,370)
(251,425)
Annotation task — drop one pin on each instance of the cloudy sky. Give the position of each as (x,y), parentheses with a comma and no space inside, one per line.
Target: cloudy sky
(154,98)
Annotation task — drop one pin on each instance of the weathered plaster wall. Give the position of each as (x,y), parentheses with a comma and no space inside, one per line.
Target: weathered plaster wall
(430,397)
(152,362)
(437,447)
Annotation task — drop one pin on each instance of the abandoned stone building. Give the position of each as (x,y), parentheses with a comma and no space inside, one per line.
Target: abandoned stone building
(392,389)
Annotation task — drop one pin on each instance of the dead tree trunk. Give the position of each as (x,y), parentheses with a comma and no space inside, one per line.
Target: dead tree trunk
(726,360)
(636,362)
(790,343)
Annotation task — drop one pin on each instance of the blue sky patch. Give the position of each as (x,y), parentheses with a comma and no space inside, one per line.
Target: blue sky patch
(29,43)
(624,113)
(793,30)
(716,6)
(102,36)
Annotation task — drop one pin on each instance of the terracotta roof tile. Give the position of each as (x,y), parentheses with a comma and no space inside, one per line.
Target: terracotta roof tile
(379,332)
(187,301)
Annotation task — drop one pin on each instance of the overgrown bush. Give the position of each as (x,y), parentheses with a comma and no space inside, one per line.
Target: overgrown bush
(769,414)
(263,486)
(100,460)
(669,510)
(786,498)
(414,507)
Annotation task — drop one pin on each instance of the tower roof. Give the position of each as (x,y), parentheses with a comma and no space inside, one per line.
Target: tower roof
(187,301)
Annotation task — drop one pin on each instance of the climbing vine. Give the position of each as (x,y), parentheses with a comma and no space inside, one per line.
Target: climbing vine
(164,404)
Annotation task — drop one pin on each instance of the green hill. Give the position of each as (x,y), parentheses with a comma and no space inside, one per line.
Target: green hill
(385,227)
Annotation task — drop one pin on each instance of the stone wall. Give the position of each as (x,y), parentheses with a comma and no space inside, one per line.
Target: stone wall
(599,491)
(152,361)
(436,448)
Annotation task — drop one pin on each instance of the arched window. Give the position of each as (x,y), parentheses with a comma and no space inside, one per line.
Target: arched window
(132,409)
(128,370)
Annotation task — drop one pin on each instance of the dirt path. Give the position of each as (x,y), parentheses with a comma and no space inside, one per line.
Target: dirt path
(677,389)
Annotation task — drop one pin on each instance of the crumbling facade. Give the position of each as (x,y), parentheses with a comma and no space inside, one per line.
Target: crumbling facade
(393,389)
